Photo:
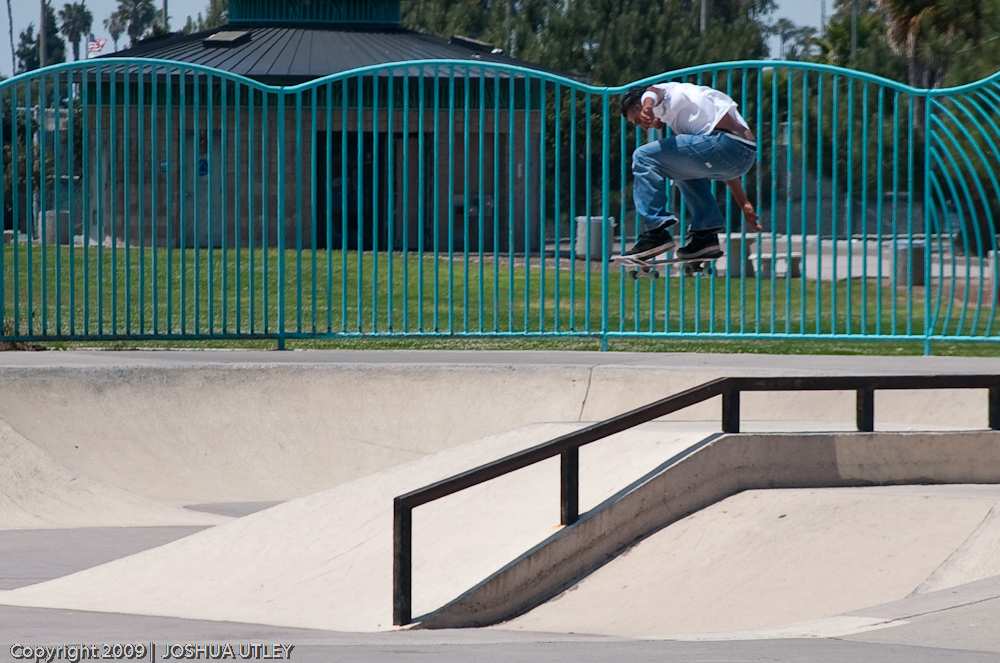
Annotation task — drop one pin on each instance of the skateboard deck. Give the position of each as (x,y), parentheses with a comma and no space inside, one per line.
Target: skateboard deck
(642,267)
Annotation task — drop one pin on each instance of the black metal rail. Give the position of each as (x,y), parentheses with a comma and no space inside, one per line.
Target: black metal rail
(567,446)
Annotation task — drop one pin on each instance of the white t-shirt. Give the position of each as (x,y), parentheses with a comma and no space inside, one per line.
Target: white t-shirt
(692,109)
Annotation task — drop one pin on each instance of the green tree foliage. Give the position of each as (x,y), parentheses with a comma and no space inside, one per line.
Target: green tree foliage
(606,41)
(27,48)
(138,16)
(115,25)
(216,15)
(76,24)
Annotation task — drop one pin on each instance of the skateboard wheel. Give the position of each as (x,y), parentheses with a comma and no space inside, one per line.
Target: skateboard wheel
(634,274)
(656,274)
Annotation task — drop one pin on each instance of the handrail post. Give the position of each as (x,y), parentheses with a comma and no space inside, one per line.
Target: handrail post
(402,562)
(995,408)
(731,410)
(569,491)
(866,409)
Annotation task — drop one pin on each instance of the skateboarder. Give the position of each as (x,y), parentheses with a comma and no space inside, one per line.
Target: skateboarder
(711,141)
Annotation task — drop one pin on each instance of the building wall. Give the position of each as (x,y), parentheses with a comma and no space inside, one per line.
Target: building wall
(210,180)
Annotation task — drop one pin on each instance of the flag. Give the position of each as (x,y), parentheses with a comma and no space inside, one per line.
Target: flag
(96,45)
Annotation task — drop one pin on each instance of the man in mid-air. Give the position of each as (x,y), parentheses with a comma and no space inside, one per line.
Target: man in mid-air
(710,141)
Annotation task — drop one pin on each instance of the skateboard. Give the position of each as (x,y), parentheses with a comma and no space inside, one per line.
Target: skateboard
(644,268)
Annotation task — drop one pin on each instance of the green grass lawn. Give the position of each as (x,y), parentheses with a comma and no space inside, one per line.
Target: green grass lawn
(329,297)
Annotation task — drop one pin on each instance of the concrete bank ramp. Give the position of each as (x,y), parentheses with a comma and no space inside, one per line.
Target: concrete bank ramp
(324,561)
(769,558)
(37,492)
(203,431)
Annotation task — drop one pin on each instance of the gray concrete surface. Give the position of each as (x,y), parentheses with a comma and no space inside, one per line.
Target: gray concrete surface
(812,364)
(33,625)
(231,509)
(33,556)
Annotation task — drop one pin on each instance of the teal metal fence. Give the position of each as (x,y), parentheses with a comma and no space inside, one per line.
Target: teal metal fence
(150,199)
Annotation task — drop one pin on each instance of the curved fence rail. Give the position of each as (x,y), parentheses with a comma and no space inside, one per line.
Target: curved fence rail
(150,199)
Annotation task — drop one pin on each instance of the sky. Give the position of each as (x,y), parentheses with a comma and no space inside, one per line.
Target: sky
(802,12)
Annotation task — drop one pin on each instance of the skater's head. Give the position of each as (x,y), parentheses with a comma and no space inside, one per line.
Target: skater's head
(631,109)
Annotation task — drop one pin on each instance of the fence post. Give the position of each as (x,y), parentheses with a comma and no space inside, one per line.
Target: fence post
(928,323)
(402,562)
(282,274)
(605,211)
(866,409)
(569,490)
(731,410)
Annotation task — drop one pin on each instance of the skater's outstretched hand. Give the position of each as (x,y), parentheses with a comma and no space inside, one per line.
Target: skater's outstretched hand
(750,216)
(749,213)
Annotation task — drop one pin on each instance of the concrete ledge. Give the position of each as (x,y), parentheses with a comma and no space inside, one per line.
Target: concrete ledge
(714,469)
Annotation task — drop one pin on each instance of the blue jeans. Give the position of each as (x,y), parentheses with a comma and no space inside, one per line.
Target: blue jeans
(692,162)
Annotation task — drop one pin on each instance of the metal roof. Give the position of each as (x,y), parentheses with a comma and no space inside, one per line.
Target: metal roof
(293,54)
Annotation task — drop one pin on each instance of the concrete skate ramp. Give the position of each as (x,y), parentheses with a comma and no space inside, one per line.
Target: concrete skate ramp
(218,433)
(325,561)
(204,432)
(720,468)
(770,558)
(37,492)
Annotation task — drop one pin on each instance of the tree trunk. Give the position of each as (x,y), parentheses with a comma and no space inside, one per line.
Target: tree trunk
(10,27)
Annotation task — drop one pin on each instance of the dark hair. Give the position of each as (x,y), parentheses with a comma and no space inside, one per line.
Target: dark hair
(631,98)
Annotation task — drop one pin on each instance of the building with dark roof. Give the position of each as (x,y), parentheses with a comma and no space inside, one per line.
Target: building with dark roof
(334,171)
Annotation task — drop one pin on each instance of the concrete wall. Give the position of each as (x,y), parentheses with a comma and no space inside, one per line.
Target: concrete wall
(708,473)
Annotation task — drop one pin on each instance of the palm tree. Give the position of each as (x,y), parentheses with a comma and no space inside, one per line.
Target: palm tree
(138,15)
(913,25)
(76,22)
(115,26)
(783,30)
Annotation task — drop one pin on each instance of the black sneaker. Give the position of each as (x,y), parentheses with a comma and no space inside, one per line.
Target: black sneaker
(651,243)
(701,245)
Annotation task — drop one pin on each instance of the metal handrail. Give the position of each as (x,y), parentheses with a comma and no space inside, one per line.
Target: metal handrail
(567,446)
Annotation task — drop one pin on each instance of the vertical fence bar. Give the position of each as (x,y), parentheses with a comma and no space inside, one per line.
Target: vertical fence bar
(572,210)
(605,211)
(299,230)
(805,196)
(359,171)
(437,199)
(15,204)
(864,208)
(541,203)
(390,198)
(406,202)
(421,195)
(58,165)
(154,185)
(328,198)
(313,201)
(375,201)
(344,184)
(281,216)
(835,205)
(819,205)
(527,203)
(465,201)
(557,216)
(928,323)
(85,169)
(43,175)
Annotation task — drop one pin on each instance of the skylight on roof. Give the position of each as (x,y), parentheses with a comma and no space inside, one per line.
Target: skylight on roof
(227,38)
